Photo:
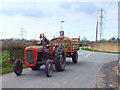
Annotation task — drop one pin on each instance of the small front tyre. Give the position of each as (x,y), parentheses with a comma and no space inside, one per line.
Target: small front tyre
(49,68)
(18,67)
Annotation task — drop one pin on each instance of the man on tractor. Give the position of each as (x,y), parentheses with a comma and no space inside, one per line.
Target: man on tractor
(45,43)
(36,56)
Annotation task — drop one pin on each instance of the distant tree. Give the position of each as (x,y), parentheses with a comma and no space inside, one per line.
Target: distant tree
(84,39)
(103,40)
(113,38)
(110,40)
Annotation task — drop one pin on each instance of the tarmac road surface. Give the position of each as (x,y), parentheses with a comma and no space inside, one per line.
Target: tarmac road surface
(80,75)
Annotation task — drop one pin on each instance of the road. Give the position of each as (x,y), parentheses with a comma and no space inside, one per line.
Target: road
(80,75)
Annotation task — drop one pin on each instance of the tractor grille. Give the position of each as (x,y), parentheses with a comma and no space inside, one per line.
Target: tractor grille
(30,56)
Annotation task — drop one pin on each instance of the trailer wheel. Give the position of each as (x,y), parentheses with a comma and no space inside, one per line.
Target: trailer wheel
(75,57)
(49,68)
(60,59)
(18,67)
(37,67)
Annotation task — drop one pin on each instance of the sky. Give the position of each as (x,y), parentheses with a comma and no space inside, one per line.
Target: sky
(38,16)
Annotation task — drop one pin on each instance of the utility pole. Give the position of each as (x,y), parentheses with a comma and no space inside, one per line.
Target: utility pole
(61,32)
(101,17)
(61,25)
(96,31)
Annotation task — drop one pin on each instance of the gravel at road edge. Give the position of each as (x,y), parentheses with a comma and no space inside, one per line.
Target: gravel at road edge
(108,76)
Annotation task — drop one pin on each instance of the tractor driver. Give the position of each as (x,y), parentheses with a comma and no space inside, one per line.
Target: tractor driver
(45,43)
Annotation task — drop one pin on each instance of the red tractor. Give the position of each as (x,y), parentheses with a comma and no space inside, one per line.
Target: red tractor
(36,56)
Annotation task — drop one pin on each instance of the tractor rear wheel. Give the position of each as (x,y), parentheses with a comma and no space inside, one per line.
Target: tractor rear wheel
(18,67)
(75,57)
(49,68)
(37,67)
(60,59)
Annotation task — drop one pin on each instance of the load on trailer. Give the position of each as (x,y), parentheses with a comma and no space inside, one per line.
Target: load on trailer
(71,46)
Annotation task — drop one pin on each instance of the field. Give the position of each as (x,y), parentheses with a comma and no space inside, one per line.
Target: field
(100,51)
(110,47)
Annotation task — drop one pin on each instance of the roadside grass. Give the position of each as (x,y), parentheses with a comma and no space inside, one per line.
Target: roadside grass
(5,57)
(99,51)
(9,68)
(10,51)
(6,65)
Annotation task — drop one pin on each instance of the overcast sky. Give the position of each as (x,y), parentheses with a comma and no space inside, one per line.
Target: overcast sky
(45,17)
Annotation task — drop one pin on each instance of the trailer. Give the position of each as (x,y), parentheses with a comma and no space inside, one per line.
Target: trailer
(71,49)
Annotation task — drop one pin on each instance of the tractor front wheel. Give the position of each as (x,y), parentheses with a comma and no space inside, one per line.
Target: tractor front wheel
(49,68)
(18,67)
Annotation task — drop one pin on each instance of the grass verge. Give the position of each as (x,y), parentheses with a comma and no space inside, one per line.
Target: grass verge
(99,51)
(8,69)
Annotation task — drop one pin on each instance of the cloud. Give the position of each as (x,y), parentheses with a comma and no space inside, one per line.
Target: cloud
(88,8)
(24,12)
(80,7)
(41,9)
(26,9)
(66,5)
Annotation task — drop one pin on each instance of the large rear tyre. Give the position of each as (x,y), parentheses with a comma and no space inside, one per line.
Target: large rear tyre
(37,67)
(18,67)
(60,59)
(75,57)
(49,68)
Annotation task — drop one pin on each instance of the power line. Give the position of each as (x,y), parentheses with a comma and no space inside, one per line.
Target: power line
(109,7)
